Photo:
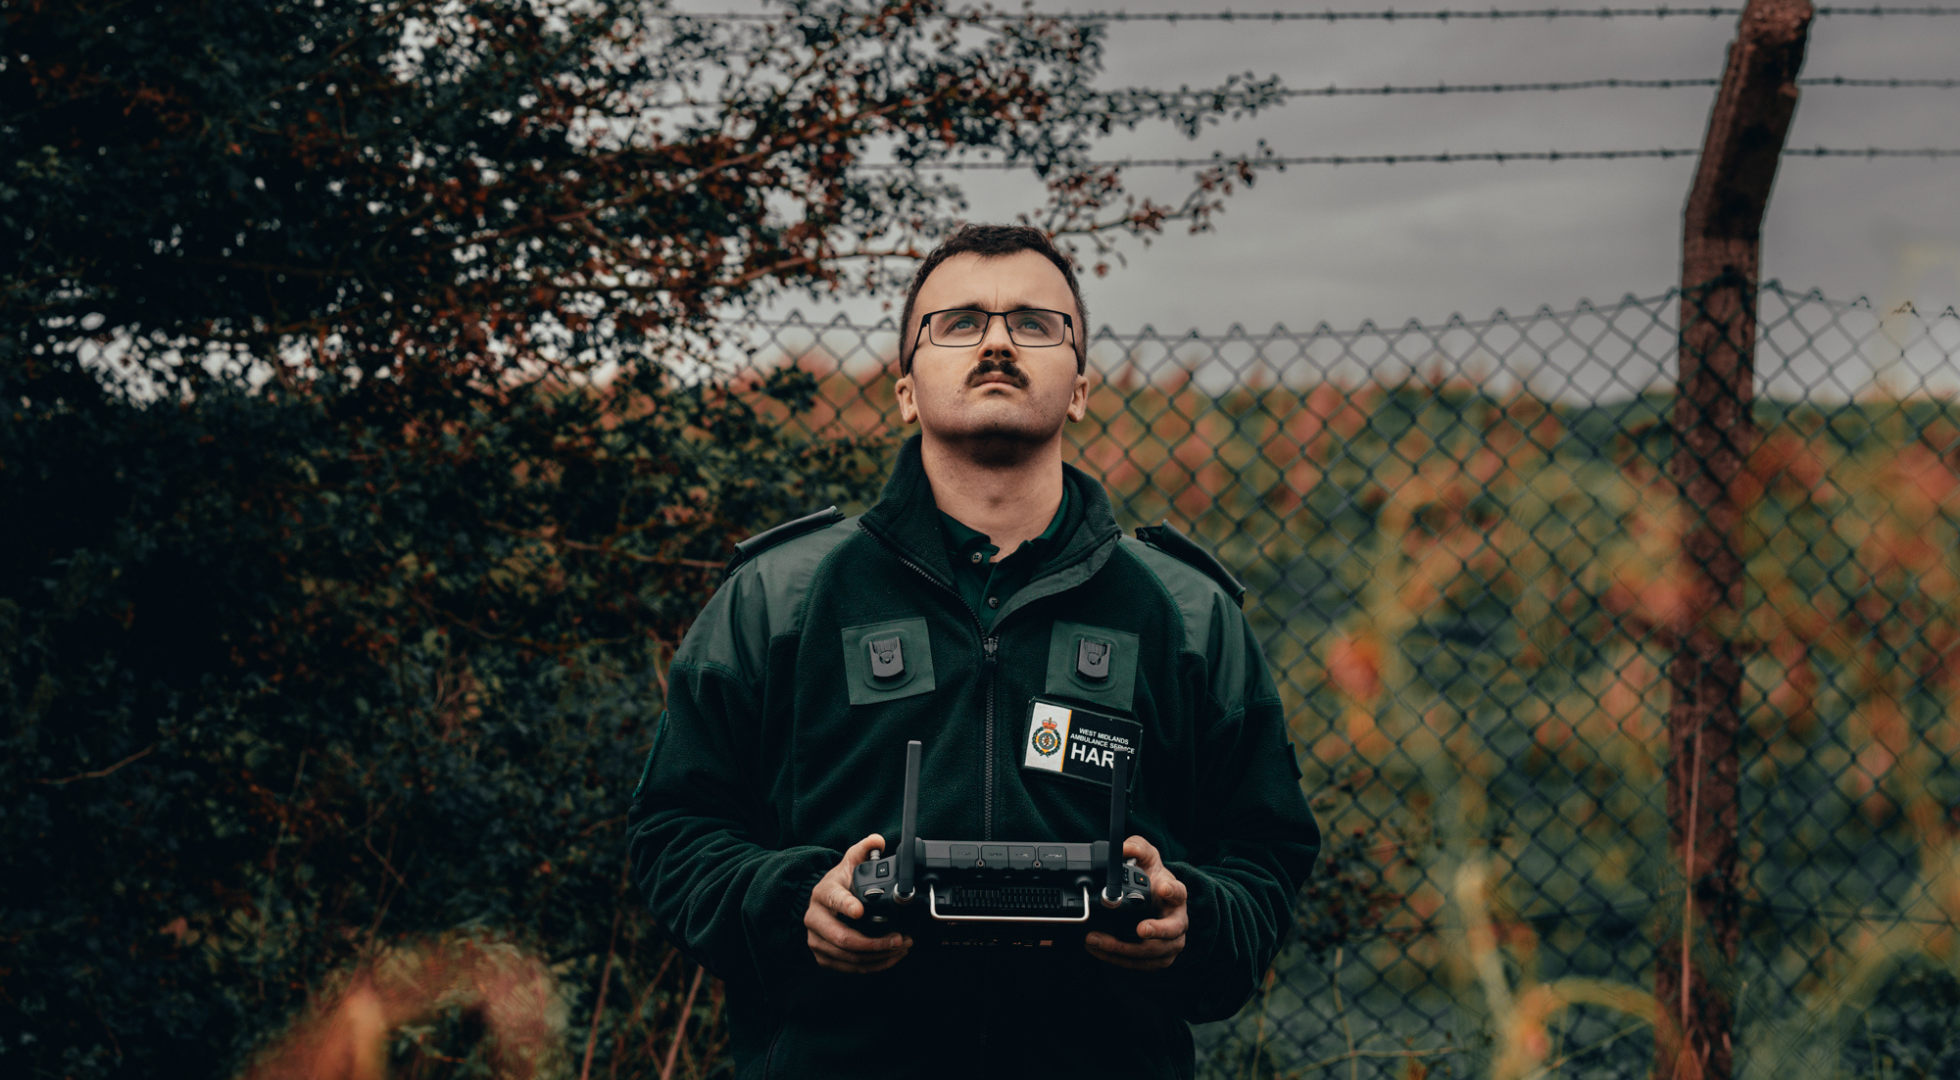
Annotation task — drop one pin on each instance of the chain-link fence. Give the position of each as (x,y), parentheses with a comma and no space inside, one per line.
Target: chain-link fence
(1465,558)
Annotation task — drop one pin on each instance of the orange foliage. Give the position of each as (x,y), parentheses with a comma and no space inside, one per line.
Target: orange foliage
(346,1032)
(1354,666)
(1657,603)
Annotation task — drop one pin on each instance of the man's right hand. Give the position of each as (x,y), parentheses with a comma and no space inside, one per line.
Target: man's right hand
(836,945)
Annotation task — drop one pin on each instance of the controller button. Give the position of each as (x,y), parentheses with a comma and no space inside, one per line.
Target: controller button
(884,869)
(964,854)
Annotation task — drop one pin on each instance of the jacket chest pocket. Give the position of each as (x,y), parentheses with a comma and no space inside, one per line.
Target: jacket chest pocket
(887,661)
(1093,664)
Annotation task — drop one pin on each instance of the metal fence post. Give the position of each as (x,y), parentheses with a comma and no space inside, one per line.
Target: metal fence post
(1714,435)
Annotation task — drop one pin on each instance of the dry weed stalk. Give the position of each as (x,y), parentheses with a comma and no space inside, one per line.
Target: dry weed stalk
(344,1033)
(1521,1015)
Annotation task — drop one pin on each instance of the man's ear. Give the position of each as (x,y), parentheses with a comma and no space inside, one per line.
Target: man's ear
(908,406)
(1078,400)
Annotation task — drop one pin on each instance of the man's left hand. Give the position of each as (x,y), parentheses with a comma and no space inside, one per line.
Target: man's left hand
(1163,934)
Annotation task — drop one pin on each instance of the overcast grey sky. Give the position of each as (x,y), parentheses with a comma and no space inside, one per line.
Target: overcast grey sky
(1390,243)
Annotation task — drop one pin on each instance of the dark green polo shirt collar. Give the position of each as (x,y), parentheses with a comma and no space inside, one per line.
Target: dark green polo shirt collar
(984,584)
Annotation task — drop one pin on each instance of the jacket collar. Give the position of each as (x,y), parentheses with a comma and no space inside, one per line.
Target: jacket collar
(906,520)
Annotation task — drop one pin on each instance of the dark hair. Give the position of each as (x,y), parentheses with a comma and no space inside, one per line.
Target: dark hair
(992,241)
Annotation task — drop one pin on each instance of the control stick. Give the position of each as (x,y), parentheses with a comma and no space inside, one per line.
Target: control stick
(1119,820)
(908,829)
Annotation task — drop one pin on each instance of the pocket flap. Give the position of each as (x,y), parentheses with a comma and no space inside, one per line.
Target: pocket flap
(1092,664)
(887,661)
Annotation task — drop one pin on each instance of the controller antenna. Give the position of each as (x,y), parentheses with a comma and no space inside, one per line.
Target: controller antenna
(1119,820)
(908,829)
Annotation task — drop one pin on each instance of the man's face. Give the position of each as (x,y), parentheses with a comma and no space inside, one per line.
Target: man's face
(996,398)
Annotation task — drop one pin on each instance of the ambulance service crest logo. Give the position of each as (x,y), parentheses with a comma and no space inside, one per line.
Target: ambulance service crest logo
(1046,739)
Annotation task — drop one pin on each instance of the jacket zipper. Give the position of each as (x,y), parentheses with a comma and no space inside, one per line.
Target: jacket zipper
(989,661)
(989,647)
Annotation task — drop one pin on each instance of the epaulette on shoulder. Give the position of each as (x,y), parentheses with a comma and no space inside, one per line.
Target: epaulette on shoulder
(1167,539)
(788,530)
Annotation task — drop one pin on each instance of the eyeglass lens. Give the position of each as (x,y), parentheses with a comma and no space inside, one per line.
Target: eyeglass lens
(1030,327)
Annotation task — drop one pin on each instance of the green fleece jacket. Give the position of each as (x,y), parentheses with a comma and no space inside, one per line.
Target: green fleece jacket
(777,752)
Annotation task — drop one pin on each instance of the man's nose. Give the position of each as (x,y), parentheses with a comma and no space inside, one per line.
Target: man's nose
(997,344)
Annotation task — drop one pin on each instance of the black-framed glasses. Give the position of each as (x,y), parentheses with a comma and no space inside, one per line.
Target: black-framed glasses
(1030,328)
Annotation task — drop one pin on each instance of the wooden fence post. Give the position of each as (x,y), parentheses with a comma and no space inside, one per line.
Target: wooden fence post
(1714,435)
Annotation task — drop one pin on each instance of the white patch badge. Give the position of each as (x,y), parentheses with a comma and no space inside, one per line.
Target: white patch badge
(1048,726)
(1077,743)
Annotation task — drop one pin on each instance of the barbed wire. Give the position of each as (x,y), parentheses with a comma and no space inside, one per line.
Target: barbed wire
(1597,84)
(1166,98)
(1371,15)
(1447,15)
(1446,158)
(1889,84)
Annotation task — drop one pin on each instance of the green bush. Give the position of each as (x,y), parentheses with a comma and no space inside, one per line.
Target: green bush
(291,676)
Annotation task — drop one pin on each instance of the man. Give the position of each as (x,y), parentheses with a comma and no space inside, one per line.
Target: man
(778,765)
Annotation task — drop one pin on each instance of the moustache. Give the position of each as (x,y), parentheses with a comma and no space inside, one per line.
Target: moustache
(1004,368)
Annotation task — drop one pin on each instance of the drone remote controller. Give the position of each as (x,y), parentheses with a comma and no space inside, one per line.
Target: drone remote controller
(984,892)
